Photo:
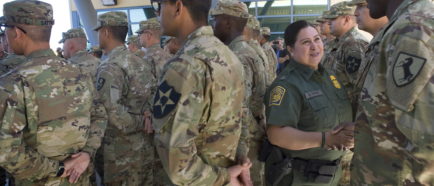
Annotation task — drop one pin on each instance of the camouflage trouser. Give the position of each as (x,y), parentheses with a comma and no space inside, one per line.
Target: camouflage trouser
(258,168)
(346,172)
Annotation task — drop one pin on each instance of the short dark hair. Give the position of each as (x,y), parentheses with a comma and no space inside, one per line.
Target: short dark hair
(266,37)
(38,33)
(118,32)
(292,31)
(198,9)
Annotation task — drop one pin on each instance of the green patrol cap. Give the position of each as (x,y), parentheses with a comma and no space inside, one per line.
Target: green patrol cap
(340,9)
(27,12)
(72,33)
(111,19)
(230,7)
(150,24)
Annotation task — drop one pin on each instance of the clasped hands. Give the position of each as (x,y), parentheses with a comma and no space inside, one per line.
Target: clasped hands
(341,137)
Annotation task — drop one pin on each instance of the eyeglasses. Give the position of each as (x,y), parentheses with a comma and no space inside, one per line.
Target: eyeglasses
(156,4)
(4,26)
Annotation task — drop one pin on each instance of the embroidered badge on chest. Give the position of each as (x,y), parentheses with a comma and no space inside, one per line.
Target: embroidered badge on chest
(335,82)
(165,100)
(276,96)
(406,68)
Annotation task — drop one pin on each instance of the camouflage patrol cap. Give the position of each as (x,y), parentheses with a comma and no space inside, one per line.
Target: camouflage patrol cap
(28,13)
(112,19)
(253,23)
(357,2)
(73,33)
(321,18)
(150,24)
(340,9)
(230,7)
(134,39)
(266,31)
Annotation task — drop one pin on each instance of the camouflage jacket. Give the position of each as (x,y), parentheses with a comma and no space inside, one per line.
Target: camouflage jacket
(47,115)
(344,57)
(257,47)
(10,62)
(124,83)
(87,62)
(396,120)
(197,111)
(254,81)
(140,53)
(156,56)
(272,62)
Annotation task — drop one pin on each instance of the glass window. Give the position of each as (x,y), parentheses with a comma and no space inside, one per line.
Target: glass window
(276,24)
(276,7)
(310,19)
(134,28)
(137,15)
(309,9)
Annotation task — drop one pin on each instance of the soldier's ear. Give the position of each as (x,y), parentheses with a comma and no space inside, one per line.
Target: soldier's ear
(179,8)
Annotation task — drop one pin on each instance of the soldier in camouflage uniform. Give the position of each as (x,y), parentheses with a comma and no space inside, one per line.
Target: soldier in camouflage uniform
(347,51)
(198,105)
(150,33)
(50,127)
(394,138)
(124,82)
(252,31)
(171,45)
(134,46)
(271,55)
(344,58)
(230,17)
(9,60)
(327,37)
(74,50)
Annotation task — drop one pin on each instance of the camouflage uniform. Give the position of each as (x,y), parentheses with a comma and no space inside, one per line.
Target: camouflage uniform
(154,54)
(47,111)
(11,62)
(271,57)
(395,124)
(197,111)
(87,62)
(135,40)
(124,82)
(252,132)
(254,24)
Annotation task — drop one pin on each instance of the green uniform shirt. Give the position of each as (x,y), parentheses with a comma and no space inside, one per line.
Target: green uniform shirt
(307,100)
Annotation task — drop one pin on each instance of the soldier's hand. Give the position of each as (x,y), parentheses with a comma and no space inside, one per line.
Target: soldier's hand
(341,137)
(236,171)
(76,165)
(148,129)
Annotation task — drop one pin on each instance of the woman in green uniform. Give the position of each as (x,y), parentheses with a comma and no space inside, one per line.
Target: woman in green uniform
(306,112)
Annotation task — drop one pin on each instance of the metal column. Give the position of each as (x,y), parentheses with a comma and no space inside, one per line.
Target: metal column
(88,16)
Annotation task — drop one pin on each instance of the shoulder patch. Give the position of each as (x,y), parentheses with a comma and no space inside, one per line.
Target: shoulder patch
(353,64)
(100,83)
(276,96)
(335,82)
(406,68)
(165,100)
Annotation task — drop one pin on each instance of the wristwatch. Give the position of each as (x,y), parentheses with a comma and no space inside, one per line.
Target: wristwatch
(61,169)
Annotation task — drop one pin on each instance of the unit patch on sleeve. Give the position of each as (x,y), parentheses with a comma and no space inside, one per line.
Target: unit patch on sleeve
(406,68)
(165,100)
(276,95)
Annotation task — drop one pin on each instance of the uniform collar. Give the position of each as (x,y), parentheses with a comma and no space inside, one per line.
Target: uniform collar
(304,70)
(202,31)
(402,7)
(154,46)
(79,54)
(115,52)
(237,40)
(348,34)
(41,53)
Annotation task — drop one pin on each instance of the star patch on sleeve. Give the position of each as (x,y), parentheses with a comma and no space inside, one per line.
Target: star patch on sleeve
(276,95)
(406,68)
(353,64)
(165,100)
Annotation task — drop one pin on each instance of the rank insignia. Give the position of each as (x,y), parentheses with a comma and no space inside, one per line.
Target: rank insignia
(165,100)
(276,95)
(406,68)
(335,82)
